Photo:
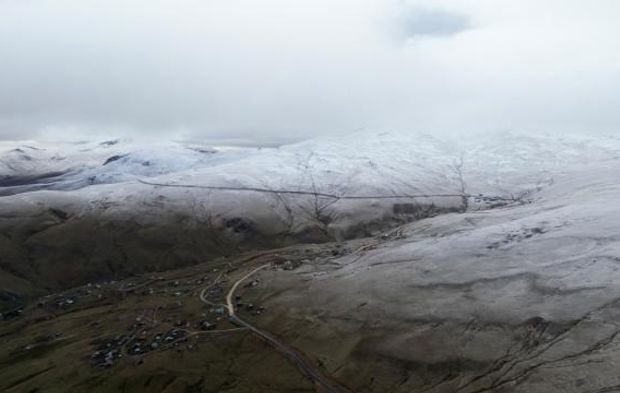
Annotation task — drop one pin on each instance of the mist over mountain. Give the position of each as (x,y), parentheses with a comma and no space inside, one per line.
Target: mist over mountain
(276,71)
(370,196)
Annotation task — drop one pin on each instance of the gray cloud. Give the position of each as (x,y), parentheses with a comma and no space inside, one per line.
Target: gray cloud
(276,70)
(428,22)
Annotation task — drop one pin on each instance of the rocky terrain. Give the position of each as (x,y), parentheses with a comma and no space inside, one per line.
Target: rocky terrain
(516,290)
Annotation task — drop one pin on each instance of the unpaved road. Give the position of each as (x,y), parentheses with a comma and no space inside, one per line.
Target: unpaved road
(307,367)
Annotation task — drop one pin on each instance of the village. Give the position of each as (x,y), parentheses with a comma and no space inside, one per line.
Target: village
(173,317)
(159,321)
(152,313)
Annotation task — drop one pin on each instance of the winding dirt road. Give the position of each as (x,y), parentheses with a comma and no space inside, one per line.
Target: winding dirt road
(307,367)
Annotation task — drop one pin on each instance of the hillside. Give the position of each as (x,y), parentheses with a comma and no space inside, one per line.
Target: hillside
(521,297)
(94,211)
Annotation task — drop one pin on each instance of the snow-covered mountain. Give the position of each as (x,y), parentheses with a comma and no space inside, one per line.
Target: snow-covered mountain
(521,299)
(28,166)
(360,163)
(109,208)
(503,277)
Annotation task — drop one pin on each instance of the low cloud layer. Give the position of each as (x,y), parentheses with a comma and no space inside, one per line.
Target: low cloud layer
(277,70)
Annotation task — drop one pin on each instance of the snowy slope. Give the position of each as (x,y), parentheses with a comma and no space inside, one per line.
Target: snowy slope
(519,299)
(97,213)
(29,166)
(356,164)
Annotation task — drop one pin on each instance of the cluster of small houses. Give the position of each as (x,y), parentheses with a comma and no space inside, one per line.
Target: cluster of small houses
(112,349)
(289,265)
(62,302)
(109,350)
(173,288)
(67,300)
(255,310)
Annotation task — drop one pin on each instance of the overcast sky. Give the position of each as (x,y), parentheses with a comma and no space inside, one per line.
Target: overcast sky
(275,70)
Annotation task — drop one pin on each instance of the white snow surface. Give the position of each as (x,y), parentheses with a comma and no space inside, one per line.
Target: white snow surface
(356,164)
(359,164)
